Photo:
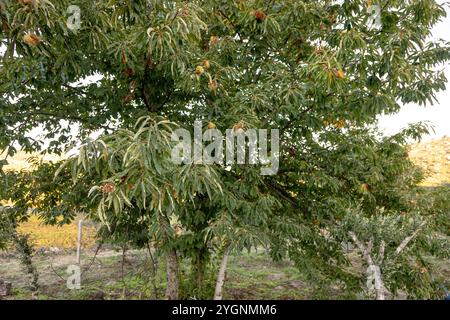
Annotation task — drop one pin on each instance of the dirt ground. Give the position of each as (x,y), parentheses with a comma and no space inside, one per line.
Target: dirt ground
(110,276)
(107,276)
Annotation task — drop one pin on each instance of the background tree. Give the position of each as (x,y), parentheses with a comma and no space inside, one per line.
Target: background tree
(372,200)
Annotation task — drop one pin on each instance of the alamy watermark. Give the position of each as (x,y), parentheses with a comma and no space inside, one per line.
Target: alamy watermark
(74,19)
(374,21)
(373,278)
(251,147)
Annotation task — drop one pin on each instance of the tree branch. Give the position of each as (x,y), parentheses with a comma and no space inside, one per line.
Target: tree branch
(405,242)
(364,250)
(381,252)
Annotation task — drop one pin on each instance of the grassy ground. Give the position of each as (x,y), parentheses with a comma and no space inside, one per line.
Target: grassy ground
(256,276)
(250,276)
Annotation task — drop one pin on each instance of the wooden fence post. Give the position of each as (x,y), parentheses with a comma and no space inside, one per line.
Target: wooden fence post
(80,233)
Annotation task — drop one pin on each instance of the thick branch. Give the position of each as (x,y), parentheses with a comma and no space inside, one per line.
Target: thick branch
(407,240)
(364,251)
(381,252)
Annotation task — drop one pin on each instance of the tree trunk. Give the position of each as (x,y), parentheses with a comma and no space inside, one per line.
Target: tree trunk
(221,276)
(378,281)
(200,263)
(365,251)
(154,271)
(379,287)
(200,269)
(25,252)
(172,276)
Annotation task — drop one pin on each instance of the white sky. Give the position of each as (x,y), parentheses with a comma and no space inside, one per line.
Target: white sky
(438,114)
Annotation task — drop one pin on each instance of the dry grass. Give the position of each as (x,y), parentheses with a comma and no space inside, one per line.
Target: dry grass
(65,237)
(434,157)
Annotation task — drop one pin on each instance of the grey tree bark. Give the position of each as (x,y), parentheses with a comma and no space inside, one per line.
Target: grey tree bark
(374,265)
(172,289)
(221,275)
